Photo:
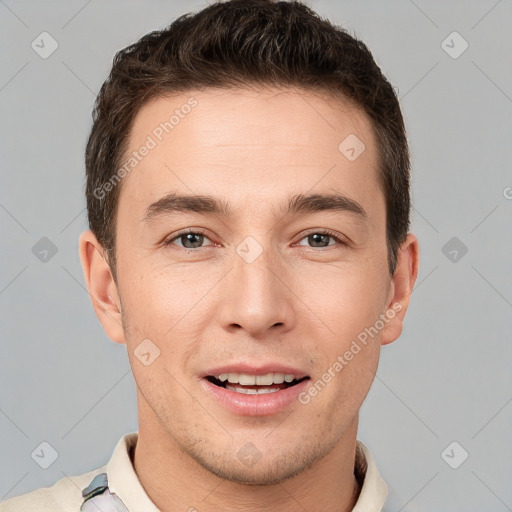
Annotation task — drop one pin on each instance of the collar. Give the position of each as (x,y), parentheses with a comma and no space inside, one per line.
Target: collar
(374,490)
(122,479)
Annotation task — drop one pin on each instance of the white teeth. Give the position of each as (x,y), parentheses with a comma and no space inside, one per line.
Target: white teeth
(251,391)
(264,380)
(278,378)
(245,379)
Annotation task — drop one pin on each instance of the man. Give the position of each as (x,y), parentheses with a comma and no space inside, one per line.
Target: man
(248,198)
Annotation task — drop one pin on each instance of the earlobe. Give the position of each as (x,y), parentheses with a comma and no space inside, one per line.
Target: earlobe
(401,287)
(101,285)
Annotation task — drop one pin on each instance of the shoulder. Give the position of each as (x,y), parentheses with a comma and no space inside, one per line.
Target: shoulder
(63,496)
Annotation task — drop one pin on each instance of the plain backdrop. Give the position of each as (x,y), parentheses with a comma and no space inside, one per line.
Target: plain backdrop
(438,417)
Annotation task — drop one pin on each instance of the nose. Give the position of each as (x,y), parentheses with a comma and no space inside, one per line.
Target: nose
(258,295)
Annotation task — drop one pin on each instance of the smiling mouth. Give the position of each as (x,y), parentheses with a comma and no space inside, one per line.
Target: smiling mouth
(255,384)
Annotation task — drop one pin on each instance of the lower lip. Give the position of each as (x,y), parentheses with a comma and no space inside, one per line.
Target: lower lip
(265,404)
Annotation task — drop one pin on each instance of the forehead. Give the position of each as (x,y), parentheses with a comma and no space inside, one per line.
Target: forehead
(249,143)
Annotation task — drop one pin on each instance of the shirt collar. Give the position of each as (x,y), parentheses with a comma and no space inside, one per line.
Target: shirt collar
(374,490)
(123,480)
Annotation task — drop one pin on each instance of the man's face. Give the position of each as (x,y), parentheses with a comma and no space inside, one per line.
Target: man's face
(259,291)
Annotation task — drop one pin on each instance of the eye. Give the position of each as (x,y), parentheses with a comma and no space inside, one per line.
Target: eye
(193,239)
(321,239)
(190,239)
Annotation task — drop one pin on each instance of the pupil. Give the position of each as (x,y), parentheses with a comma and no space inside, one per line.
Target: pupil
(315,236)
(189,238)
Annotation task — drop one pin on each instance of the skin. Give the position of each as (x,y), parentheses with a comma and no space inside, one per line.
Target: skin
(296,304)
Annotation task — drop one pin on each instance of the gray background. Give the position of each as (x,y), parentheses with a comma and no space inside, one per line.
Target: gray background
(447,379)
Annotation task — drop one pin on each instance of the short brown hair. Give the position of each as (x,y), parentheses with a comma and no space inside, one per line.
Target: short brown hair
(243,43)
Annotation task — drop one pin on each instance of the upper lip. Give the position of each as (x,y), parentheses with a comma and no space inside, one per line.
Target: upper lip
(255,369)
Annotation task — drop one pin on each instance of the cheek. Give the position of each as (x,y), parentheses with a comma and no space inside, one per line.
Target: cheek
(347,305)
(166,305)
(346,299)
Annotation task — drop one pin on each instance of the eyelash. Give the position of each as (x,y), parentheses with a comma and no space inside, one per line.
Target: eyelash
(198,231)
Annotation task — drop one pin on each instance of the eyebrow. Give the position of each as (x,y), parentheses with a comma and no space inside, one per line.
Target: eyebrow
(312,203)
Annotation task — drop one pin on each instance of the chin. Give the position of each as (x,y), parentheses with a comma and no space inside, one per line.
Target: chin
(267,474)
(250,466)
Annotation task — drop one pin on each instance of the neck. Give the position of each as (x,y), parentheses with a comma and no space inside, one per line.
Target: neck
(174,481)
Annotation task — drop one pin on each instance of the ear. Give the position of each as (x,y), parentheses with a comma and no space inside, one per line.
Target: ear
(400,288)
(101,285)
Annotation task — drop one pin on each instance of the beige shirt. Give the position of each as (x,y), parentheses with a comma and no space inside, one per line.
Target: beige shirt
(66,494)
